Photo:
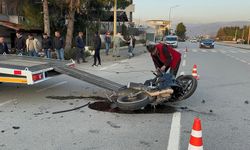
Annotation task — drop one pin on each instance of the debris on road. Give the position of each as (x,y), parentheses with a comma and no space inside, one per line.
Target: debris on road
(203,101)
(210,110)
(16,127)
(113,125)
(246,102)
(2,131)
(73,109)
(76,97)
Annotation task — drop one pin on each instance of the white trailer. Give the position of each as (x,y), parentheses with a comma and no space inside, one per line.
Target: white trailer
(28,70)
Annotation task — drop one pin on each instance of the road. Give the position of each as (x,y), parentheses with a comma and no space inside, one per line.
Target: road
(221,102)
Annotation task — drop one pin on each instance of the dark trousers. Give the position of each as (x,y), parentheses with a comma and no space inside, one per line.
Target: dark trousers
(174,71)
(97,57)
(80,53)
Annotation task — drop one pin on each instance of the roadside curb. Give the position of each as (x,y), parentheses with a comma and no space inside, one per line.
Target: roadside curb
(233,46)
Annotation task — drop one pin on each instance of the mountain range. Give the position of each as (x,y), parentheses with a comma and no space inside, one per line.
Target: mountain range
(211,28)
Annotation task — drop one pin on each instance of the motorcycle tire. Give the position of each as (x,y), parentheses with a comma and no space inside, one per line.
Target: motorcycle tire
(193,87)
(133,103)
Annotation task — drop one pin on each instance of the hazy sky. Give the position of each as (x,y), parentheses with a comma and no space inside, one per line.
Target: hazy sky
(193,11)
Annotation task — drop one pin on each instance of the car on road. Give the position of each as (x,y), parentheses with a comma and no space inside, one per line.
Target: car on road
(171,40)
(207,43)
(193,40)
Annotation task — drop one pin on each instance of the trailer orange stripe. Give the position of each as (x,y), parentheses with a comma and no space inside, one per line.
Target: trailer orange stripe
(13,80)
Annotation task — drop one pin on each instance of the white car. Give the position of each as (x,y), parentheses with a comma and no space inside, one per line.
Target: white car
(171,40)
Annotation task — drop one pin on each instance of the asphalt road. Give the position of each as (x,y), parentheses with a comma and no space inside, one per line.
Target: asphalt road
(27,122)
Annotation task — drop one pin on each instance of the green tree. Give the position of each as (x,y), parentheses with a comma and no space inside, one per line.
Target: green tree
(32,15)
(181,30)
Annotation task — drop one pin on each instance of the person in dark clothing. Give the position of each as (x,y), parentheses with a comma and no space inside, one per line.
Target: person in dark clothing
(107,42)
(134,41)
(97,46)
(58,45)
(3,46)
(20,44)
(47,45)
(165,57)
(80,48)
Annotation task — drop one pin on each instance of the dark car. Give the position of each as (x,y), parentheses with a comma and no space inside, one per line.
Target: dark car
(207,43)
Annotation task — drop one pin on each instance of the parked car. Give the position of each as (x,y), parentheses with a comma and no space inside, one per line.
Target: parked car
(207,43)
(171,40)
(240,41)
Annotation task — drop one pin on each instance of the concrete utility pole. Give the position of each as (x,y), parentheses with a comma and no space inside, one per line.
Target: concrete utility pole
(46,17)
(248,40)
(115,16)
(170,17)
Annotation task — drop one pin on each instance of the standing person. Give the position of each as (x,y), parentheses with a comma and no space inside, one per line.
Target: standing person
(134,41)
(58,44)
(130,47)
(107,42)
(3,46)
(97,46)
(117,43)
(80,48)
(32,45)
(47,45)
(20,43)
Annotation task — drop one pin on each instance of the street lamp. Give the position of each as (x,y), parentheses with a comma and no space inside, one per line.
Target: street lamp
(170,16)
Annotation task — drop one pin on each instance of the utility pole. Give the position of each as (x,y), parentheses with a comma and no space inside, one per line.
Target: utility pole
(248,39)
(243,33)
(235,36)
(46,17)
(115,17)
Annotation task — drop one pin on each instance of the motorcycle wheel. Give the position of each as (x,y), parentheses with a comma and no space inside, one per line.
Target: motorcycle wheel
(189,85)
(133,103)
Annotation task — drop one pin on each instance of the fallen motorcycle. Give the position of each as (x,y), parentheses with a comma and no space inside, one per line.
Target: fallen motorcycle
(163,88)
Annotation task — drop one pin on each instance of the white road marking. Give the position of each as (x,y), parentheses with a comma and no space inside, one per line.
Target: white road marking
(7,102)
(214,51)
(195,50)
(243,61)
(185,55)
(204,51)
(184,63)
(174,136)
(52,86)
(182,73)
(125,60)
(222,51)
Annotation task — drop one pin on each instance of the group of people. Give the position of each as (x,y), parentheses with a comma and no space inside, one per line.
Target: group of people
(32,46)
(118,38)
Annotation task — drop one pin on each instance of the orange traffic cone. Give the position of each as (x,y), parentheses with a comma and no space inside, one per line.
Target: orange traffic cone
(195,142)
(195,73)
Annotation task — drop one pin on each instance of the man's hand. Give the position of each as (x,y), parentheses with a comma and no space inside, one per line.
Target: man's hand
(163,68)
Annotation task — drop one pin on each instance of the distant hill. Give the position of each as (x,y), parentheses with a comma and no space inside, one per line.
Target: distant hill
(211,28)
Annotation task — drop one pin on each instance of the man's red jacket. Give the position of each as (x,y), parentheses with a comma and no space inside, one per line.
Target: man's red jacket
(167,56)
